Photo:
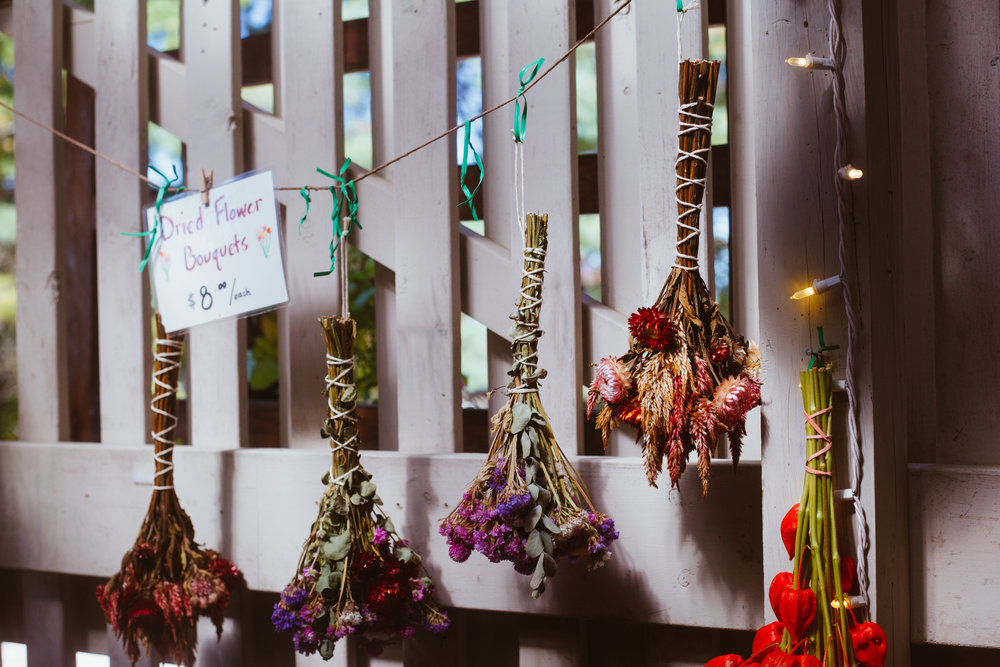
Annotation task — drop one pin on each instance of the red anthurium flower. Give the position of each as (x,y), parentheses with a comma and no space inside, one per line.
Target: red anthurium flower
(781,581)
(796,609)
(730,660)
(847,569)
(767,639)
(870,644)
(788,527)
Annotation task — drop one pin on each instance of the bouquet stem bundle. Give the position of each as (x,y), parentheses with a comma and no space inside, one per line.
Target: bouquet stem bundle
(166,580)
(528,505)
(687,377)
(356,575)
(815,625)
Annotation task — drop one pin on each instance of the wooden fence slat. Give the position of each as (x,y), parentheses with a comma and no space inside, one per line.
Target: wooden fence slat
(310,41)
(544,29)
(498,201)
(121,118)
(426,228)
(43,405)
(549,642)
(45,620)
(797,238)
(216,351)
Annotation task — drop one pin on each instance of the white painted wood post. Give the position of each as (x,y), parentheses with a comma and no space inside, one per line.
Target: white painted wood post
(656,101)
(426,228)
(310,35)
(121,122)
(545,28)
(44,619)
(214,140)
(43,408)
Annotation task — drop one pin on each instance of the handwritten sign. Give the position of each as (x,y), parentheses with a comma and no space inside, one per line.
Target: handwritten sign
(221,260)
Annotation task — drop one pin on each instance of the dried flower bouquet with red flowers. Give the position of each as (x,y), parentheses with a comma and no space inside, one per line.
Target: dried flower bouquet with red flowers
(355,576)
(816,625)
(528,505)
(166,580)
(687,377)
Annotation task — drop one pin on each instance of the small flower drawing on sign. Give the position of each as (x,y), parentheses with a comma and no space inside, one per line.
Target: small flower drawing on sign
(264,238)
(165,264)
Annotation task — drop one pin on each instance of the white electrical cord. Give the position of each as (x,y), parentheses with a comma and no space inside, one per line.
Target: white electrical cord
(860,523)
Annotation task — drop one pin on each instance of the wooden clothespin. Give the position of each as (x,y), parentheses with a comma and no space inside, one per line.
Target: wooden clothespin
(204,184)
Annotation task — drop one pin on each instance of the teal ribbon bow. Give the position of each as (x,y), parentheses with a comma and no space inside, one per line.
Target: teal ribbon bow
(345,195)
(465,166)
(680,5)
(305,195)
(520,104)
(161,192)
(823,347)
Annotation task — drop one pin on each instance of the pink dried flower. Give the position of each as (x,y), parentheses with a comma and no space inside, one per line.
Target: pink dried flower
(611,381)
(206,591)
(379,535)
(735,397)
(703,376)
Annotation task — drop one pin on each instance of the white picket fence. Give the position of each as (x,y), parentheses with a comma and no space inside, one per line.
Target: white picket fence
(73,509)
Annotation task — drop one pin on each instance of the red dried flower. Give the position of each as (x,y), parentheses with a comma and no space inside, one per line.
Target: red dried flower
(789,525)
(146,614)
(227,571)
(719,352)
(143,552)
(870,644)
(652,329)
(366,566)
(767,639)
(796,609)
(630,413)
(386,597)
(730,660)
(781,581)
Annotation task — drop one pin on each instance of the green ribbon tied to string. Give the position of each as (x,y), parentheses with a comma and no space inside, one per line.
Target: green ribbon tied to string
(823,347)
(345,196)
(520,104)
(680,5)
(465,166)
(161,193)
(305,195)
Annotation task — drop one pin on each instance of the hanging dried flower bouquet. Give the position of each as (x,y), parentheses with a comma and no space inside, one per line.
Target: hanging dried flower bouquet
(355,576)
(166,580)
(687,377)
(528,505)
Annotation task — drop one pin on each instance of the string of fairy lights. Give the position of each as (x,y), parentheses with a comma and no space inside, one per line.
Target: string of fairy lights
(844,174)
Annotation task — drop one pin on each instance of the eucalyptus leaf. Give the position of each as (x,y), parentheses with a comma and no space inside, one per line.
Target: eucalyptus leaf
(357,499)
(389,525)
(531,520)
(350,395)
(538,576)
(404,554)
(532,434)
(323,583)
(534,546)
(340,504)
(546,541)
(325,481)
(367,489)
(530,470)
(520,415)
(549,524)
(338,546)
(549,563)
(525,446)
(533,490)
(544,497)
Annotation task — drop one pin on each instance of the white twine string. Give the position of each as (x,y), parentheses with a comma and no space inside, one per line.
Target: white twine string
(694,4)
(530,278)
(347,366)
(860,523)
(690,123)
(171,359)
(519,184)
(345,302)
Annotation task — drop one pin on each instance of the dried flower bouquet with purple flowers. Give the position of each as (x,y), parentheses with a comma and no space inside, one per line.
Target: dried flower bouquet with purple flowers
(528,505)
(355,576)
